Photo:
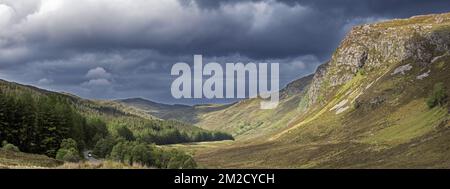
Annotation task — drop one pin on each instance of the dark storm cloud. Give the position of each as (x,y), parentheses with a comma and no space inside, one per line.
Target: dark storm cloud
(263,29)
(258,29)
(353,7)
(316,31)
(385,8)
(129,46)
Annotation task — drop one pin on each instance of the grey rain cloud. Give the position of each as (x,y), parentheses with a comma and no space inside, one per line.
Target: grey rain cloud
(122,48)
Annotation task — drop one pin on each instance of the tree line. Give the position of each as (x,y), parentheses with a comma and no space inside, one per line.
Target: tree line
(137,152)
(61,127)
(162,132)
(174,136)
(38,124)
(48,124)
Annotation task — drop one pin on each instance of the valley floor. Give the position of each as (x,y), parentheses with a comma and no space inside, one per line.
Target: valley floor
(20,160)
(429,151)
(418,147)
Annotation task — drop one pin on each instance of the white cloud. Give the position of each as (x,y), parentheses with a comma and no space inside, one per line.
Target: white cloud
(99,79)
(45,81)
(97,73)
(6,14)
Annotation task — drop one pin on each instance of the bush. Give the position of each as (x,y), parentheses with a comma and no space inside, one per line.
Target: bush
(132,152)
(151,156)
(104,147)
(68,151)
(70,155)
(69,143)
(438,96)
(119,151)
(180,160)
(141,153)
(10,147)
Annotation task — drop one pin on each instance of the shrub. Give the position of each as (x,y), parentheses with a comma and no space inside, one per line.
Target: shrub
(132,152)
(10,147)
(104,147)
(119,151)
(71,155)
(69,143)
(180,160)
(68,151)
(141,153)
(438,97)
(151,156)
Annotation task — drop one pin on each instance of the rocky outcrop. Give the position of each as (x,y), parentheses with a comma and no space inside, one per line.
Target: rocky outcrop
(317,82)
(375,48)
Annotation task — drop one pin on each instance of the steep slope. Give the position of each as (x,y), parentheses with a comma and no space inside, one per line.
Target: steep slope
(245,119)
(366,107)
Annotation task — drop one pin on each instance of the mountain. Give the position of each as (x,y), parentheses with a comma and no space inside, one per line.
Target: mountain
(381,101)
(229,117)
(184,113)
(245,119)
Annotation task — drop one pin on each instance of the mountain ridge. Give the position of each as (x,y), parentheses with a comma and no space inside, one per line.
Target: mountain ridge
(365,107)
(192,114)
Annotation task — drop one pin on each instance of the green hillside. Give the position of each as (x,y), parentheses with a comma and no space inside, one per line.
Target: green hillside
(61,126)
(245,120)
(381,102)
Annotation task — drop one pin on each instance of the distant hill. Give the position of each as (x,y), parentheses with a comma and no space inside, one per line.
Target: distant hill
(185,113)
(230,116)
(245,119)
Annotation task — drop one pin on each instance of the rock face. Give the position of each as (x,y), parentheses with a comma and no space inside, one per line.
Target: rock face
(378,47)
(318,79)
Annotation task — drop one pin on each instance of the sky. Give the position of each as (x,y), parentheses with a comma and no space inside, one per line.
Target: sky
(111,49)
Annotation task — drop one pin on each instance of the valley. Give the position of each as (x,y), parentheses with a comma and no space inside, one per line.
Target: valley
(381,101)
(368,107)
